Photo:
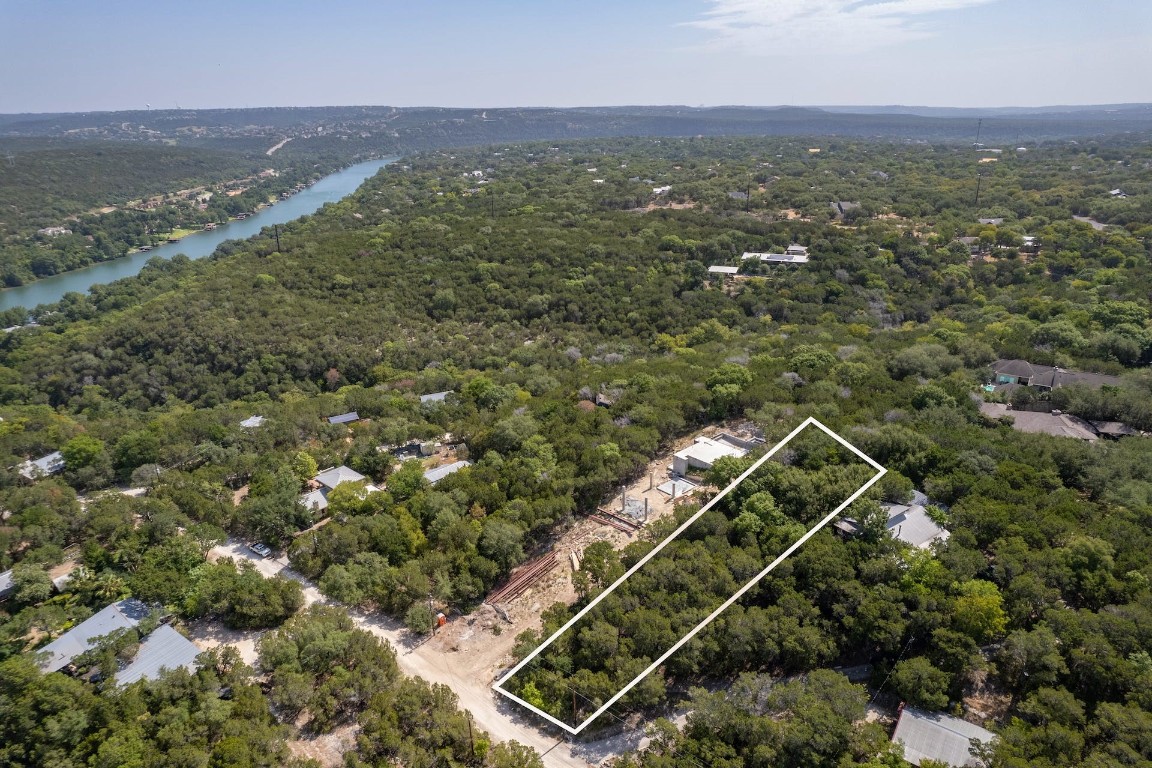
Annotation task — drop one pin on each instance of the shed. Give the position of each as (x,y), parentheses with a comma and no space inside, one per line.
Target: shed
(718,270)
(43,466)
(934,736)
(59,653)
(434,476)
(163,649)
(435,397)
(344,418)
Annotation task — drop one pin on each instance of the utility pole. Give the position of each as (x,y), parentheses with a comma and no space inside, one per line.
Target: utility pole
(277,228)
(979,179)
(471,740)
(979,123)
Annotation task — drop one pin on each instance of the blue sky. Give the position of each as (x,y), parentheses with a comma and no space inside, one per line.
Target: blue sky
(77,55)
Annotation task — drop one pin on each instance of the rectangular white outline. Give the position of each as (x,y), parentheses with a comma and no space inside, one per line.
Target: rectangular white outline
(712,616)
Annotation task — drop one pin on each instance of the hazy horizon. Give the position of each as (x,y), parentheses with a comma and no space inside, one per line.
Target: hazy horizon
(71,56)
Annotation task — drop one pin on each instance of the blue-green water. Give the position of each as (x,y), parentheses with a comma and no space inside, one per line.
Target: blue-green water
(327,190)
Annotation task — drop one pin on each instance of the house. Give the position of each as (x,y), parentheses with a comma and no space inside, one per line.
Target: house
(704,452)
(1046,377)
(344,418)
(797,250)
(1030,243)
(54,231)
(909,523)
(42,467)
(59,653)
(7,584)
(252,422)
(163,649)
(661,190)
(1055,423)
(973,244)
(841,207)
(435,397)
(718,270)
(316,499)
(1118,193)
(994,222)
(934,736)
(434,476)
(776,258)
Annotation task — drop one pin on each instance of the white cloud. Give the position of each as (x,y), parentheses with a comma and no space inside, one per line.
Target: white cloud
(821,27)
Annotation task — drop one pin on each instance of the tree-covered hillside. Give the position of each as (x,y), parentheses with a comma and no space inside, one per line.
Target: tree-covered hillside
(526,280)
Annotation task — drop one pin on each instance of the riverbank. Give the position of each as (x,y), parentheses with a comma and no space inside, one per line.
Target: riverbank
(196,244)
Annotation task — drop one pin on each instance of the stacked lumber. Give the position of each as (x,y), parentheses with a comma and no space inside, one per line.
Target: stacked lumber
(523,578)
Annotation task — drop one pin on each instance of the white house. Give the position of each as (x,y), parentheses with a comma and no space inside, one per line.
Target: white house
(703,453)
(42,467)
(723,270)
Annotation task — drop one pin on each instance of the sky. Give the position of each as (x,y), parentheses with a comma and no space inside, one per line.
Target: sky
(79,55)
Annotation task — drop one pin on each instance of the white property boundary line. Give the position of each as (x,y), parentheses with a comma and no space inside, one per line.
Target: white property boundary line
(739,593)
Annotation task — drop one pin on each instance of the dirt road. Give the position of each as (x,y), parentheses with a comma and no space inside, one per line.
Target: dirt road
(468,668)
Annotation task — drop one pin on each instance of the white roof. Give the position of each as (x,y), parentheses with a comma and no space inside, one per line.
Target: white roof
(252,422)
(706,450)
(434,476)
(934,736)
(723,270)
(435,397)
(330,478)
(42,467)
(796,248)
(779,258)
(911,525)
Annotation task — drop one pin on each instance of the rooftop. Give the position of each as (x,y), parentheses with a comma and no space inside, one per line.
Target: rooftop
(434,476)
(1055,424)
(707,450)
(163,649)
(344,418)
(59,653)
(252,422)
(718,270)
(7,584)
(911,525)
(435,397)
(933,736)
(330,478)
(42,467)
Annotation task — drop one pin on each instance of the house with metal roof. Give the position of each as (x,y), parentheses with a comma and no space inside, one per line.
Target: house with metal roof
(83,637)
(7,584)
(324,482)
(434,476)
(935,736)
(334,476)
(911,524)
(435,397)
(42,467)
(344,418)
(164,649)
(720,270)
(776,258)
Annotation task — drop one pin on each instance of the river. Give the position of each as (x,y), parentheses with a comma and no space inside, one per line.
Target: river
(196,246)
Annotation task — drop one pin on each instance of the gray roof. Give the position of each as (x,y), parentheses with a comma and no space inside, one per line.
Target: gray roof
(315,500)
(933,736)
(1055,424)
(344,418)
(995,221)
(330,478)
(44,466)
(7,583)
(59,653)
(163,649)
(252,422)
(911,525)
(435,397)
(1051,376)
(1113,428)
(722,270)
(434,476)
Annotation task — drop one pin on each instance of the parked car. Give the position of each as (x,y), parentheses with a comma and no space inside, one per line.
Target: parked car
(260,549)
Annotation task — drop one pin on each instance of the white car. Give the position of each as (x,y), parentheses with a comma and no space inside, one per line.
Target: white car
(260,549)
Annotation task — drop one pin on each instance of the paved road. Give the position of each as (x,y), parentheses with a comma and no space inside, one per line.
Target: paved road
(503,720)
